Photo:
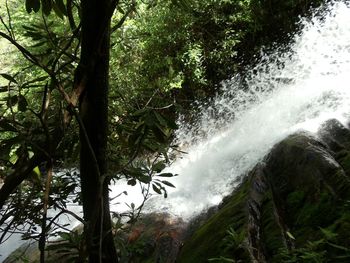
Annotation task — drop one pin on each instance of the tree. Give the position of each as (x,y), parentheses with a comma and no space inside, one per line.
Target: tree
(92,78)
(91,93)
(166,53)
(35,136)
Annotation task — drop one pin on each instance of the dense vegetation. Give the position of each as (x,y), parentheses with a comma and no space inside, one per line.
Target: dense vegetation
(164,55)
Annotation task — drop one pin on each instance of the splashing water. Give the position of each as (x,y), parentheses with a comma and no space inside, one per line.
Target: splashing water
(286,92)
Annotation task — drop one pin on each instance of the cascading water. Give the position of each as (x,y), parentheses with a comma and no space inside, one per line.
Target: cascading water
(298,89)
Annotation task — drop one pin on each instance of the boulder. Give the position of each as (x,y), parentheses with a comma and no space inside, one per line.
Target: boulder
(292,207)
(155,237)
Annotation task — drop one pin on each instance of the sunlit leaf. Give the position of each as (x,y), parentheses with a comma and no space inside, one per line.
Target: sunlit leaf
(289,234)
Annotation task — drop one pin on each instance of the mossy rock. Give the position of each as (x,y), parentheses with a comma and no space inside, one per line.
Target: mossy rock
(210,240)
(300,214)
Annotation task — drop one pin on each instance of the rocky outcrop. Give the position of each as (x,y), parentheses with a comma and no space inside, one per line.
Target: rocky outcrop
(293,207)
(153,238)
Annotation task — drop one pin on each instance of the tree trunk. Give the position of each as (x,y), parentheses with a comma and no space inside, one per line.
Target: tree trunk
(92,73)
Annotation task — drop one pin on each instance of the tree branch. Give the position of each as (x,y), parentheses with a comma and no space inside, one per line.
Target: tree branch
(23,50)
(17,177)
(125,16)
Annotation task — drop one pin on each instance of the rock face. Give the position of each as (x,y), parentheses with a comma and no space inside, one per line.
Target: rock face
(153,238)
(293,207)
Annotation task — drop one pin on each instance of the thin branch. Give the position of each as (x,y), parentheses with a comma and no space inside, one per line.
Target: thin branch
(10,20)
(65,211)
(48,31)
(125,16)
(42,239)
(5,25)
(68,45)
(23,50)
(16,178)
(70,16)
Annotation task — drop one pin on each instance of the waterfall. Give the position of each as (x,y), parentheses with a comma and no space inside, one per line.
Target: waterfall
(285,92)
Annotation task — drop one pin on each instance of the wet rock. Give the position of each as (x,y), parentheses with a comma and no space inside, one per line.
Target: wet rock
(301,162)
(335,135)
(154,238)
(292,207)
(25,253)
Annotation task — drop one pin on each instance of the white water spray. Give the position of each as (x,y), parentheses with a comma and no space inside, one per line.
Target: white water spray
(287,91)
(294,90)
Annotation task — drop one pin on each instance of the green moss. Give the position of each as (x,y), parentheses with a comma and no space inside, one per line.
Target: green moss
(295,198)
(210,240)
(316,213)
(344,160)
(271,232)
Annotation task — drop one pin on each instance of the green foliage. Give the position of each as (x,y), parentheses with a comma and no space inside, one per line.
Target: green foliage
(46,7)
(319,251)
(164,55)
(234,242)
(223,235)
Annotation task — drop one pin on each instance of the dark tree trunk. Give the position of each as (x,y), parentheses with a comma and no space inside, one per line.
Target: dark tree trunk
(92,74)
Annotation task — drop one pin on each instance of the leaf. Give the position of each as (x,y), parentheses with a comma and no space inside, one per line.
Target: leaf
(159,134)
(64,235)
(132,182)
(139,113)
(151,146)
(165,122)
(60,8)
(158,167)
(328,234)
(160,118)
(32,5)
(6,126)
(35,35)
(170,123)
(339,247)
(289,234)
(8,77)
(22,103)
(166,175)
(36,5)
(6,146)
(156,189)
(144,179)
(168,184)
(46,6)
(12,101)
(37,172)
